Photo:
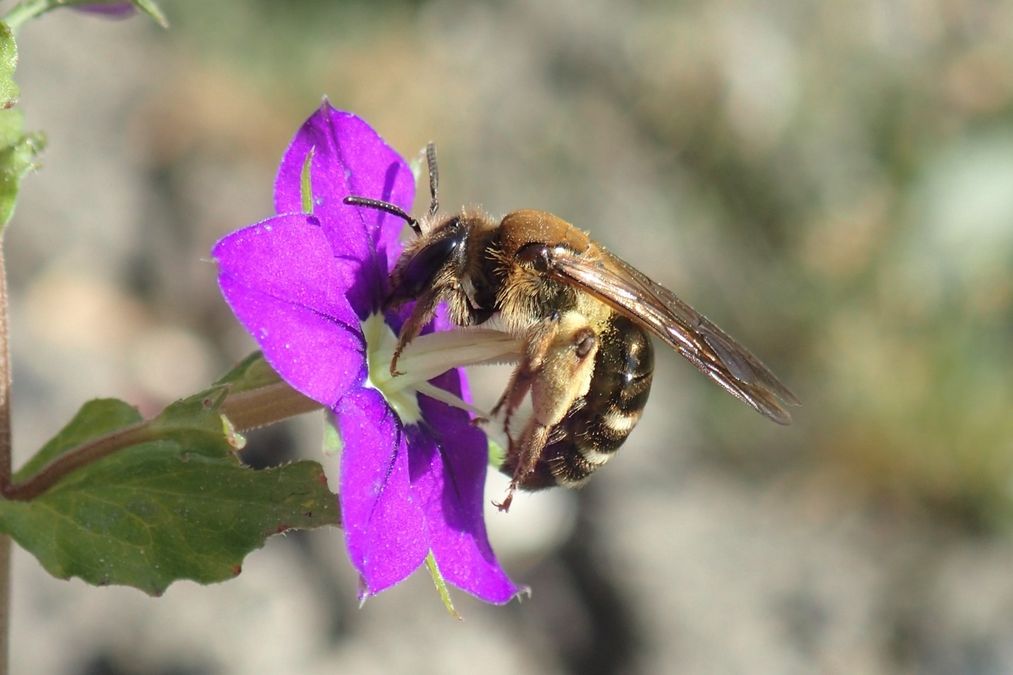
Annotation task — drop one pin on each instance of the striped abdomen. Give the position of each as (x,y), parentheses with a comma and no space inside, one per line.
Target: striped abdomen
(598,423)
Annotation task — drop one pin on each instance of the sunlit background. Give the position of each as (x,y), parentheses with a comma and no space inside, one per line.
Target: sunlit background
(830,182)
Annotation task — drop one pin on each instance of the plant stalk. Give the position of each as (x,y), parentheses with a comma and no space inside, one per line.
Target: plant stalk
(5,464)
(246,410)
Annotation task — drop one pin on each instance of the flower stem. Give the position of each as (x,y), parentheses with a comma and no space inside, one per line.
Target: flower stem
(245,410)
(82,455)
(266,405)
(5,463)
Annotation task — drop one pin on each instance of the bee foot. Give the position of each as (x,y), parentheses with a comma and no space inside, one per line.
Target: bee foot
(504,506)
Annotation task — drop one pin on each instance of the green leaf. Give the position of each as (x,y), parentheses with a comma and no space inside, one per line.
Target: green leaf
(194,418)
(17,149)
(16,159)
(177,505)
(251,373)
(8,62)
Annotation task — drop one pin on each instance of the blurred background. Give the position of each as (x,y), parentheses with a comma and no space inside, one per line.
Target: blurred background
(830,182)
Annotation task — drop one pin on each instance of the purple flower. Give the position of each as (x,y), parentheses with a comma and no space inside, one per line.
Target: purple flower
(309,288)
(110,9)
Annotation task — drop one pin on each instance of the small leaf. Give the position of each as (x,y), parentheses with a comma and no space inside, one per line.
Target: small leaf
(17,157)
(8,62)
(306,183)
(17,149)
(177,506)
(441,586)
(194,417)
(251,373)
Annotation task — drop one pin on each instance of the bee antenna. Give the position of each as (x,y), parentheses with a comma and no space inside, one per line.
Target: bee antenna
(434,177)
(386,207)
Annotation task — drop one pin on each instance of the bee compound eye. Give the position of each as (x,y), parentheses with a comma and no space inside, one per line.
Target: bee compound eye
(420,271)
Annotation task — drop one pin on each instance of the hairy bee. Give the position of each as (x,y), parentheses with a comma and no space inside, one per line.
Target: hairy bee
(585,317)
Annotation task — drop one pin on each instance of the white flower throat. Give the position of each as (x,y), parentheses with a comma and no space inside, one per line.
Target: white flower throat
(426,357)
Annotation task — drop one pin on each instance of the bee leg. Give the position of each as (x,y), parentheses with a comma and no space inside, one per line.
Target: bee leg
(517,388)
(537,342)
(562,364)
(504,505)
(422,313)
(532,443)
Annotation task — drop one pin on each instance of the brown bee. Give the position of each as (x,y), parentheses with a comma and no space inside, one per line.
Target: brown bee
(584,316)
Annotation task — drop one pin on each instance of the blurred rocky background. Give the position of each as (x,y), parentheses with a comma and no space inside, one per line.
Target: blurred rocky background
(831,182)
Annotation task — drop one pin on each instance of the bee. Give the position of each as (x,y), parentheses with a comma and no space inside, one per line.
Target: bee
(585,317)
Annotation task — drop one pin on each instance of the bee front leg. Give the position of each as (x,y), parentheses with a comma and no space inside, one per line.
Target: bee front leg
(422,313)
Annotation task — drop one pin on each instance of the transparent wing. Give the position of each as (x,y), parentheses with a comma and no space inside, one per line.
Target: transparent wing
(710,349)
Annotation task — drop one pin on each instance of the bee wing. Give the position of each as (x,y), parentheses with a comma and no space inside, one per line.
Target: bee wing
(710,349)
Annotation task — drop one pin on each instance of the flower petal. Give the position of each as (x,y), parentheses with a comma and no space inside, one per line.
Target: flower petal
(349,158)
(111,9)
(280,279)
(448,466)
(384,524)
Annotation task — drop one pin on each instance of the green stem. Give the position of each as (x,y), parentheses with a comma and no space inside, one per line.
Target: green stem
(245,410)
(265,405)
(82,455)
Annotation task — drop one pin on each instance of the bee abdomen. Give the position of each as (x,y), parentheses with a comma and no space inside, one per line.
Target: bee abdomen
(600,422)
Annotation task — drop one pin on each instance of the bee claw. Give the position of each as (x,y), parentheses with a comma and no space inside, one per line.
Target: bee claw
(504,506)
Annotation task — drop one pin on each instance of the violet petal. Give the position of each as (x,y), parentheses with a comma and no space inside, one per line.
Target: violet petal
(280,279)
(384,523)
(349,158)
(448,467)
